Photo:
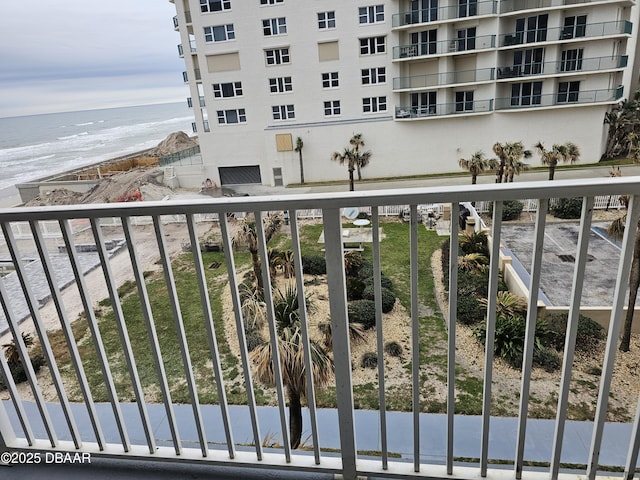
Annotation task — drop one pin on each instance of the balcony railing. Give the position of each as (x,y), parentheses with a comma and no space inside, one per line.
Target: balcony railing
(441,109)
(507,6)
(578,32)
(441,79)
(593,64)
(205,433)
(440,47)
(449,12)
(555,99)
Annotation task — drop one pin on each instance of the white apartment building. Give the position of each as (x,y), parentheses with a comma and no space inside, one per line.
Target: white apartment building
(426,82)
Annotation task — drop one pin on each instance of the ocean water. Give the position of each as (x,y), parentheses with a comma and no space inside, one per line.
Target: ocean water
(35,146)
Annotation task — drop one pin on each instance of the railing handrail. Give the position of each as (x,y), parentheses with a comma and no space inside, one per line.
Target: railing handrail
(581,96)
(622,27)
(618,61)
(446,12)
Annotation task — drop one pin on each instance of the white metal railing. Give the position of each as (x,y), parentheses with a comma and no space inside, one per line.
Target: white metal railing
(61,429)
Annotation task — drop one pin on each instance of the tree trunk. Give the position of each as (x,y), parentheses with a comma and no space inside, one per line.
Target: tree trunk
(500,172)
(257,269)
(295,418)
(552,171)
(473,178)
(634,283)
(351,189)
(301,168)
(359,173)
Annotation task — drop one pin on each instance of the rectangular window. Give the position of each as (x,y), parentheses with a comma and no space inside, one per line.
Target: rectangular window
(424,42)
(531,29)
(225,90)
(528,62)
(374,104)
(326,20)
(528,93)
(274,26)
(280,85)
(270,2)
(372,45)
(226,117)
(330,80)
(464,101)
(277,56)
(373,75)
(575,26)
(283,112)
(423,11)
(568,92)
(219,33)
(207,6)
(467,8)
(423,104)
(332,108)
(571,60)
(466,39)
(372,14)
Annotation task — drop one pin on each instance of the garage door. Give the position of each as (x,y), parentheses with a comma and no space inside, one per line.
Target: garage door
(240,175)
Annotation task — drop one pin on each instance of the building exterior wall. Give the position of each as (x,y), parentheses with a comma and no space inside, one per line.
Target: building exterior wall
(494,71)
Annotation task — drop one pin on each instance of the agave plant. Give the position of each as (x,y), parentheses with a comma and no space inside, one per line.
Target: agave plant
(356,333)
(473,262)
(509,305)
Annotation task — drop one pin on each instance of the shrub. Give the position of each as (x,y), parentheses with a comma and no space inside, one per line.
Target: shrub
(547,358)
(369,360)
(511,209)
(385,282)
(589,332)
(353,261)
(470,310)
(364,312)
(509,304)
(254,339)
(567,208)
(473,284)
(388,298)
(355,288)
(314,264)
(476,242)
(394,349)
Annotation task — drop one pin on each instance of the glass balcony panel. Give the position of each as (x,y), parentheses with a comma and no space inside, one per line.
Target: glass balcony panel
(553,99)
(482,42)
(590,30)
(448,12)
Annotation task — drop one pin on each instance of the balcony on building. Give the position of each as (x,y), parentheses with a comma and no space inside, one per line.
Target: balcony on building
(442,47)
(507,6)
(436,110)
(567,66)
(211,436)
(448,79)
(559,99)
(443,13)
(201,101)
(566,34)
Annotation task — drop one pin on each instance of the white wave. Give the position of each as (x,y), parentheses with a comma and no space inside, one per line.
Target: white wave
(81,134)
(83,124)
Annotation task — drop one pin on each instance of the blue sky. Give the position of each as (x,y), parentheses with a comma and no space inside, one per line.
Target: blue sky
(67,55)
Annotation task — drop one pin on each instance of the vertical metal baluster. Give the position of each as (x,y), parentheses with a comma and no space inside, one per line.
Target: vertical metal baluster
(42,334)
(67,235)
(415,335)
(529,342)
(273,334)
(123,334)
(572,329)
(340,332)
(17,404)
(377,290)
(615,323)
(147,314)
(179,324)
(451,333)
(494,274)
(304,325)
(244,354)
(634,445)
(68,334)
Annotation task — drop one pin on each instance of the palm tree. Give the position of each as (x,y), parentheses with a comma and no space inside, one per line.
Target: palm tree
(623,120)
(567,152)
(299,145)
(348,158)
(477,164)
(510,155)
(247,235)
(361,159)
(356,142)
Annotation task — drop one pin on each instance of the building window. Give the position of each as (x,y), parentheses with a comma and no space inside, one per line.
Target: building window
(225,90)
(464,101)
(528,93)
(332,108)
(326,20)
(466,39)
(423,11)
(207,6)
(280,85)
(219,33)
(528,62)
(568,92)
(374,104)
(374,75)
(531,29)
(423,103)
(425,42)
(283,112)
(372,14)
(574,27)
(277,56)
(226,117)
(270,2)
(372,45)
(274,26)
(571,60)
(330,80)
(467,8)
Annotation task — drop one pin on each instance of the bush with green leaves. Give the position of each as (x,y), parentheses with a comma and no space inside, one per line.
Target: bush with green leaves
(393,348)
(567,208)
(364,312)
(314,264)
(254,339)
(511,209)
(476,242)
(355,288)
(388,298)
(589,332)
(470,310)
(369,360)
